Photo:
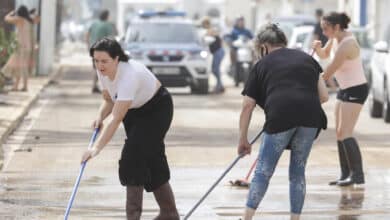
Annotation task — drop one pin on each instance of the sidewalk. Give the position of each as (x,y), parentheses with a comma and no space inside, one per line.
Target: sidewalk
(15,105)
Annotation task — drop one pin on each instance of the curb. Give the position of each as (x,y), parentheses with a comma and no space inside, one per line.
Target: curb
(14,124)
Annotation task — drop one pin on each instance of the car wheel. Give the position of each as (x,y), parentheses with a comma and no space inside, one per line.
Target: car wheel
(386,109)
(375,106)
(202,87)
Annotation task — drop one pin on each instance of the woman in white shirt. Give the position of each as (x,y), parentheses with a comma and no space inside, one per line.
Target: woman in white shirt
(134,96)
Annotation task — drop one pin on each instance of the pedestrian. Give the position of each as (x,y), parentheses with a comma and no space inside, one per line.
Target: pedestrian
(347,67)
(98,30)
(239,29)
(32,63)
(318,35)
(286,84)
(18,64)
(218,53)
(134,96)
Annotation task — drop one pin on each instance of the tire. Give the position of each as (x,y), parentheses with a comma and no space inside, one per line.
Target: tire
(386,106)
(374,106)
(202,87)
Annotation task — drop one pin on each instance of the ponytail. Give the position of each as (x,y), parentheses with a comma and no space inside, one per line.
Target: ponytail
(341,19)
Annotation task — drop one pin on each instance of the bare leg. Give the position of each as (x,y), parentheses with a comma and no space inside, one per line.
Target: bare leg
(249,213)
(349,115)
(166,201)
(134,202)
(16,83)
(294,216)
(25,81)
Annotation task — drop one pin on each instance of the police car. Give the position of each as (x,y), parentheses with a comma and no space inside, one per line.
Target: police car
(169,45)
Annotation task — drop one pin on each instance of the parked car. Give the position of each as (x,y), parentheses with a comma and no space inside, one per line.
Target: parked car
(288,23)
(379,99)
(169,45)
(301,38)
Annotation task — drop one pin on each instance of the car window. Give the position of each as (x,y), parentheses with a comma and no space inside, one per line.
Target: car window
(362,38)
(302,37)
(161,33)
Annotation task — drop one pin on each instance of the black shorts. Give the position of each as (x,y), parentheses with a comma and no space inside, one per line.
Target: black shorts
(143,161)
(355,94)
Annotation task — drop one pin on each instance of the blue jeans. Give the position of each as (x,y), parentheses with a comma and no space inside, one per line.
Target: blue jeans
(272,146)
(216,65)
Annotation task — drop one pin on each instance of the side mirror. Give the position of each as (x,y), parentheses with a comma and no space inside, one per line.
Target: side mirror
(381,47)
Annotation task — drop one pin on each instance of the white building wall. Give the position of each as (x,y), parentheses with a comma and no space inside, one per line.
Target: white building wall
(235,8)
(47,36)
(380,18)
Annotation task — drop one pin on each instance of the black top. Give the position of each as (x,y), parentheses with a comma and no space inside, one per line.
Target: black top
(318,32)
(285,84)
(216,44)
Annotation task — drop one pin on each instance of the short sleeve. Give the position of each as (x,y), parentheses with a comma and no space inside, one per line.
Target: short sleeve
(127,87)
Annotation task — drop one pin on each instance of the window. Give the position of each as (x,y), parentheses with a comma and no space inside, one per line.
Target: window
(161,33)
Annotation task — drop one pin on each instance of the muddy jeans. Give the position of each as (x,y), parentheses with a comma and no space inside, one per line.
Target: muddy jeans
(271,148)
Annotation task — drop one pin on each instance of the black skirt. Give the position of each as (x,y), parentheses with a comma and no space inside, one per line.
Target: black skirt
(143,161)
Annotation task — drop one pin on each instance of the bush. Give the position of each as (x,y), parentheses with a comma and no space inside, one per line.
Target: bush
(8,45)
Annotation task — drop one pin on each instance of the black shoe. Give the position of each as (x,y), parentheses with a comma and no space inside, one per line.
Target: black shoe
(343,164)
(355,163)
(96,90)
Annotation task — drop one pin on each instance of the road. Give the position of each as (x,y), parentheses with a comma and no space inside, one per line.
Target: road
(44,154)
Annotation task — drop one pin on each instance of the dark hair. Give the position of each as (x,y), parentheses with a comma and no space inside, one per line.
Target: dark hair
(341,19)
(104,15)
(319,12)
(24,13)
(111,46)
(271,34)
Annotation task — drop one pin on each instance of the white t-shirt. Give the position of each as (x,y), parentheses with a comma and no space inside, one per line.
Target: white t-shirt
(133,82)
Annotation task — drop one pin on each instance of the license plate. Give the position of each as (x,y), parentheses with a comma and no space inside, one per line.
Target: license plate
(166,70)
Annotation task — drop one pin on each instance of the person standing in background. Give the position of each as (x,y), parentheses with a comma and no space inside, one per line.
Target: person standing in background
(32,63)
(348,69)
(218,54)
(318,35)
(18,64)
(98,30)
